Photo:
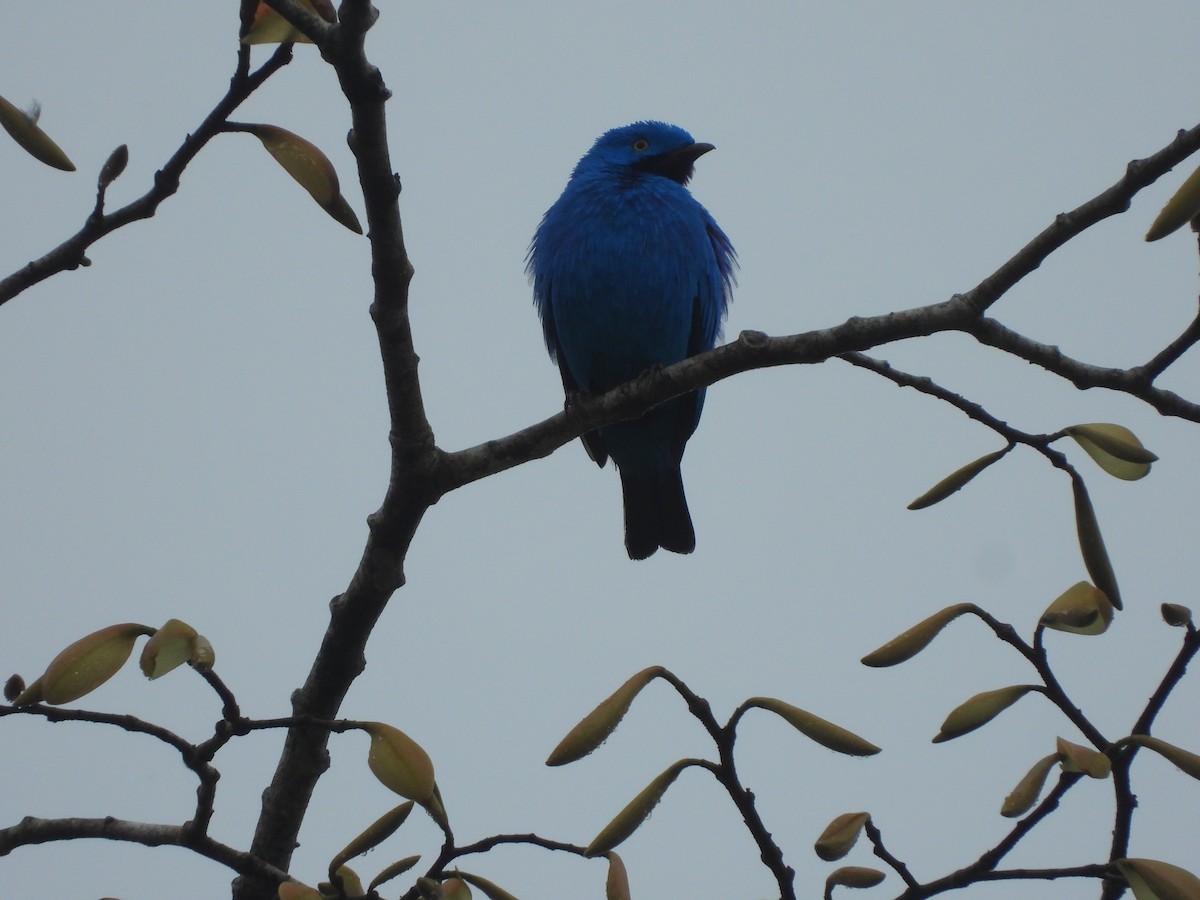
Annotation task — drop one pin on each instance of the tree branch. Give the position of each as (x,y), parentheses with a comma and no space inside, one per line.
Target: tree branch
(1171,353)
(875,836)
(743,798)
(984,867)
(1084,376)
(1122,758)
(411,488)
(1066,226)
(70,254)
(31,830)
(125,722)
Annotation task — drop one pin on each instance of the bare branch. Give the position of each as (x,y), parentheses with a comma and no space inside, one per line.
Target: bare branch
(984,868)
(411,489)
(928,386)
(1138,174)
(1135,382)
(726,773)
(31,830)
(1123,757)
(1169,354)
(70,254)
(125,722)
(875,836)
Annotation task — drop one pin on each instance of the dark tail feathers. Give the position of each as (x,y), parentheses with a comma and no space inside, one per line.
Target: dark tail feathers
(656,514)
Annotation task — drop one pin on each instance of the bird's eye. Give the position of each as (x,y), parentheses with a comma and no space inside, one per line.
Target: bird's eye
(641,144)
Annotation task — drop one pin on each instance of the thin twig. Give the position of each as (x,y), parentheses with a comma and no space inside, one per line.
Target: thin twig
(70,254)
(1122,758)
(724,736)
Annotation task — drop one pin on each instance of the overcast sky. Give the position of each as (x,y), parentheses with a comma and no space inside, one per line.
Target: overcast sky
(195,427)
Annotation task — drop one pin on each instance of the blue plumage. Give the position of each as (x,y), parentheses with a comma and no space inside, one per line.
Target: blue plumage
(631,272)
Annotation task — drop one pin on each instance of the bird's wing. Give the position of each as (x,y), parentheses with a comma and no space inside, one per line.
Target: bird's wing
(592,442)
(708,311)
(687,408)
(727,262)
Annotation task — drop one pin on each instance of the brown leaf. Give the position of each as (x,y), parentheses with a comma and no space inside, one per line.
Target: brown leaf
(979,710)
(1029,788)
(594,729)
(1179,210)
(1080,609)
(1091,544)
(825,733)
(956,480)
(89,662)
(636,811)
(840,835)
(399,762)
(25,131)
(908,644)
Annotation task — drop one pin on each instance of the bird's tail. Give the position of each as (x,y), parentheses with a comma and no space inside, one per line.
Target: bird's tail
(656,514)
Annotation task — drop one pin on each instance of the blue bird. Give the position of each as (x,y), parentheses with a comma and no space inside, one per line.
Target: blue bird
(631,273)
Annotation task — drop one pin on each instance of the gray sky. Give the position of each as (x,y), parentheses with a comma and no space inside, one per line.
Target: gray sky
(195,427)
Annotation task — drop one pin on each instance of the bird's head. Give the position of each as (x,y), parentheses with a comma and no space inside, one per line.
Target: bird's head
(653,148)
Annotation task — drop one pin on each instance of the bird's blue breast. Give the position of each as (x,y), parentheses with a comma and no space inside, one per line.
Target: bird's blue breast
(625,277)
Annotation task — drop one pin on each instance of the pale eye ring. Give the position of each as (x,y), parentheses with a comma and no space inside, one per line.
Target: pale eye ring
(641,144)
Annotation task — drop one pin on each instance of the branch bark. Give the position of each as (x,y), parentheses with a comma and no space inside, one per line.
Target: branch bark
(31,830)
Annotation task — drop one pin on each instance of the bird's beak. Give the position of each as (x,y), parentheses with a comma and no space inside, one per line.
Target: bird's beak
(675,164)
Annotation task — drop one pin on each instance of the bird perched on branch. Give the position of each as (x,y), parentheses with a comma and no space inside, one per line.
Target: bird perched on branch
(630,273)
